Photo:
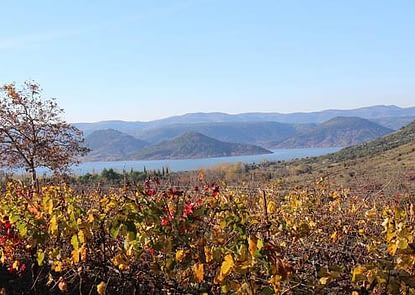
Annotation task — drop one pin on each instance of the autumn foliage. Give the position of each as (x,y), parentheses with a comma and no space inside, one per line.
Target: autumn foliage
(205,239)
(32,133)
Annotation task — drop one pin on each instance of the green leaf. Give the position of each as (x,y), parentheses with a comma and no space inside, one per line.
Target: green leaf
(75,242)
(13,218)
(40,257)
(22,228)
(260,244)
(115,228)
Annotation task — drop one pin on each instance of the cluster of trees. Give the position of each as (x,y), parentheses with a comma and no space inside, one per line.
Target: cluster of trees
(113,177)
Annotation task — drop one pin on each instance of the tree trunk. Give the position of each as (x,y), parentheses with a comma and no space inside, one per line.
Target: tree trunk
(34,177)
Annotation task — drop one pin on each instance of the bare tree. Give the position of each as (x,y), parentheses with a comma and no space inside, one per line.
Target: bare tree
(32,134)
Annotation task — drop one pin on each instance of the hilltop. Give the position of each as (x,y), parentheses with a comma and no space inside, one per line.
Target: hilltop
(193,145)
(339,131)
(111,145)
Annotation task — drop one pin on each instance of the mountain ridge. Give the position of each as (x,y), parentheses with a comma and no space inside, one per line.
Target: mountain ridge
(377,112)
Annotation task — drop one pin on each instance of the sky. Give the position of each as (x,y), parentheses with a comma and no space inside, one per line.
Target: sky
(147,60)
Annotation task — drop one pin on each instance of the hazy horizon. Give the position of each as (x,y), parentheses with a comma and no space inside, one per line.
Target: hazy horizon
(227,113)
(143,61)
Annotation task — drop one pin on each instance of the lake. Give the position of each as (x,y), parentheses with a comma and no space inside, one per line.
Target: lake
(195,164)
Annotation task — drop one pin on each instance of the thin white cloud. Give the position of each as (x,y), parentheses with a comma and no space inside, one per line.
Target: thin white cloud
(28,40)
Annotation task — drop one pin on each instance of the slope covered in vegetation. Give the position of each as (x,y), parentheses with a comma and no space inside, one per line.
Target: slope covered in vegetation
(399,138)
(192,145)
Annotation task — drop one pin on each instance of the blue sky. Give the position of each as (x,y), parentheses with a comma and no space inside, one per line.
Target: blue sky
(145,60)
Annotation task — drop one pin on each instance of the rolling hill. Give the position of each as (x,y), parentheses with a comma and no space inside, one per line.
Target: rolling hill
(193,145)
(111,145)
(258,133)
(340,131)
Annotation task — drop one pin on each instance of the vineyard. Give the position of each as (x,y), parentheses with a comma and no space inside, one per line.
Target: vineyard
(204,238)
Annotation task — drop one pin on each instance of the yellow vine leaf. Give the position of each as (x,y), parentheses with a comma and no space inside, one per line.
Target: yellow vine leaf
(271,207)
(324,280)
(353,209)
(121,262)
(275,281)
(390,236)
(16,265)
(334,236)
(130,250)
(123,266)
(81,236)
(3,257)
(392,248)
(48,205)
(50,280)
(222,224)
(84,252)
(101,288)
(227,264)
(75,256)
(199,272)
(358,273)
(225,268)
(208,254)
(180,255)
(243,253)
(53,226)
(57,266)
(252,245)
(371,214)
(402,243)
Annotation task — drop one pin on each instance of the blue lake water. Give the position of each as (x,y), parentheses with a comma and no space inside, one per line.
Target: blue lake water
(195,164)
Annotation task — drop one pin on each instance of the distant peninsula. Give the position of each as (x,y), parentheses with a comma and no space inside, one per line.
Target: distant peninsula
(190,145)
